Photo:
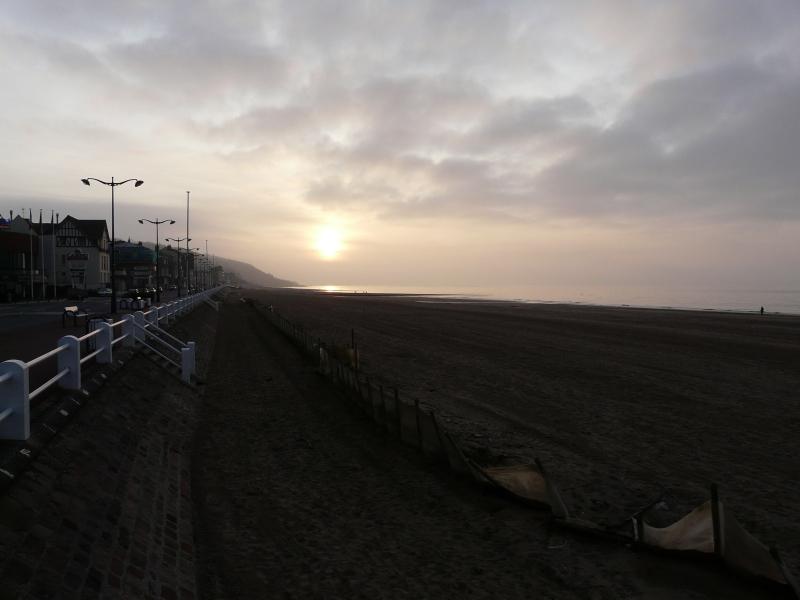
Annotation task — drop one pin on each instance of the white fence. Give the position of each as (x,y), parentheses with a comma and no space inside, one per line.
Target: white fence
(142,328)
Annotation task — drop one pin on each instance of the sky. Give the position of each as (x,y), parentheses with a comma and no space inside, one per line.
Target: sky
(453,142)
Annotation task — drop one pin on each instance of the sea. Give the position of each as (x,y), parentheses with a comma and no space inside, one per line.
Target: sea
(731,300)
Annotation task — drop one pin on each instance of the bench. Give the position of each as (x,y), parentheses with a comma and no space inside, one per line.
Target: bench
(73,312)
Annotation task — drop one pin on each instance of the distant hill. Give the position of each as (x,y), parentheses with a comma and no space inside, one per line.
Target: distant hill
(247,272)
(251,274)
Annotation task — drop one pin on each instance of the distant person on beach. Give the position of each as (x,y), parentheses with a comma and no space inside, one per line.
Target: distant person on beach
(762,310)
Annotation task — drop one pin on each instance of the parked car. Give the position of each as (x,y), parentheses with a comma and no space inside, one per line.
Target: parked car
(133,293)
(104,292)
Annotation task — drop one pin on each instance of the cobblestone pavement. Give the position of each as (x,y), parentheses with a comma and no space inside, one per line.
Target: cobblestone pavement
(105,509)
(299,496)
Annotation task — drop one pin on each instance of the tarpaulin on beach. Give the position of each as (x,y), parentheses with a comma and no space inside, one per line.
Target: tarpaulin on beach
(710,529)
(523,481)
(742,550)
(528,483)
(694,532)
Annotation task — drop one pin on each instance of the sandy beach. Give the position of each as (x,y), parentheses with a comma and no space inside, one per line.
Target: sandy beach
(298,495)
(623,405)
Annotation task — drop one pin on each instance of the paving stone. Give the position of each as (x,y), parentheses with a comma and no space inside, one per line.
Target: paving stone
(86,520)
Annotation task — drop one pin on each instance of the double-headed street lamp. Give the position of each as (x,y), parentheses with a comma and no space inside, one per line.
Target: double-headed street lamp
(178,241)
(113,184)
(158,275)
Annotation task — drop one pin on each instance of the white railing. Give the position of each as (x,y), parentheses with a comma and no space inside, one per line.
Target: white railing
(143,328)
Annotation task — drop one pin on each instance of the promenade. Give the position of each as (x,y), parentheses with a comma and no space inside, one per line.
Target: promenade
(105,508)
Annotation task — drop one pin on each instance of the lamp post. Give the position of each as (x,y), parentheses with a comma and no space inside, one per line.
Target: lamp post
(158,274)
(188,239)
(178,241)
(113,184)
(194,264)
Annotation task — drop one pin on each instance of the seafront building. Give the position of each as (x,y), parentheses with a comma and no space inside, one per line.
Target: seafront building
(35,257)
(19,252)
(135,266)
(43,260)
(81,250)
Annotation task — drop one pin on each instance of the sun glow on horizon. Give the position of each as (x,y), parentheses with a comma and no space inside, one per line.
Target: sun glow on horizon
(328,243)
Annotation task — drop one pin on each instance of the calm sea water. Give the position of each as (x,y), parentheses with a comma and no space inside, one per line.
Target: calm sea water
(773,301)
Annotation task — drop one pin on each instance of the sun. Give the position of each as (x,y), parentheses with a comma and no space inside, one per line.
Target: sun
(328,243)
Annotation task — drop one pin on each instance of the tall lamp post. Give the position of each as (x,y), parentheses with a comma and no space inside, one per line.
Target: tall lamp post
(178,241)
(194,264)
(188,239)
(158,274)
(113,184)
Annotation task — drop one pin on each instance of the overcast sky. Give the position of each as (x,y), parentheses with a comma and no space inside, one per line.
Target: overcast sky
(450,142)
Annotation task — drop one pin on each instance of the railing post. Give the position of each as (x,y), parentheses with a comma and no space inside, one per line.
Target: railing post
(105,341)
(70,358)
(138,318)
(187,362)
(14,398)
(129,330)
(152,317)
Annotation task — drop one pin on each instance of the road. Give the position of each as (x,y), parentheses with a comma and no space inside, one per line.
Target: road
(29,329)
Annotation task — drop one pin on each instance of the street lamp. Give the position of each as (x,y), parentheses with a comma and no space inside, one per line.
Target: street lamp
(179,240)
(113,184)
(158,277)
(194,264)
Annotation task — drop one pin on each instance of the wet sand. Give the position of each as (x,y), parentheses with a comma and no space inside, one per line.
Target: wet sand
(623,405)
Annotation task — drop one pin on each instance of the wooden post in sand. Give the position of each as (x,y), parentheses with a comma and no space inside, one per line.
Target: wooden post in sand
(716,520)
(419,429)
(369,391)
(398,424)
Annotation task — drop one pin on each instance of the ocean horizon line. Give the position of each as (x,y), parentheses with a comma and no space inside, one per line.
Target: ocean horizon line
(774,301)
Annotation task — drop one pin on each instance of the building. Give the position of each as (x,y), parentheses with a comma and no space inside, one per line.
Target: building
(170,262)
(20,269)
(78,251)
(135,266)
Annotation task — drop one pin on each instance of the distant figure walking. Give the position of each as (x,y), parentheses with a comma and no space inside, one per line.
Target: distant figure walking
(762,310)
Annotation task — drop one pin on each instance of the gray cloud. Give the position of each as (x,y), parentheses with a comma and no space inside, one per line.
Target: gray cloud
(719,143)
(516,111)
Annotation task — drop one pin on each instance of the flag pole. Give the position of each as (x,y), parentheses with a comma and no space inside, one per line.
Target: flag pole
(30,237)
(53,235)
(41,255)
(53,229)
